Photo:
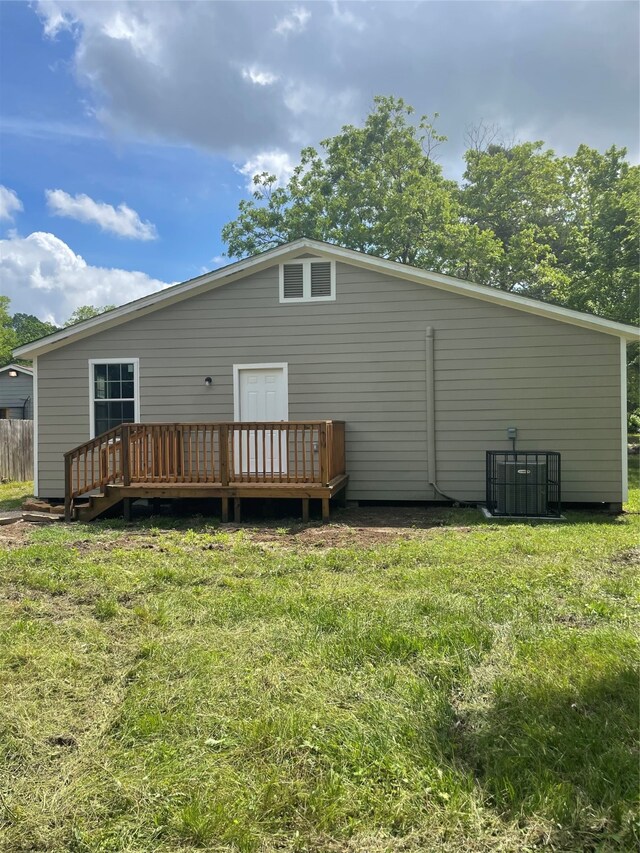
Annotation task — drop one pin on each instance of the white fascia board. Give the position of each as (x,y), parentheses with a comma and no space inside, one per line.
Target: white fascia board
(161,299)
(20,367)
(36,417)
(624,450)
(237,270)
(481,291)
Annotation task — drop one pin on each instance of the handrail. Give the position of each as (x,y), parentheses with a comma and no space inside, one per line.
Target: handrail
(98,438)
(223,454)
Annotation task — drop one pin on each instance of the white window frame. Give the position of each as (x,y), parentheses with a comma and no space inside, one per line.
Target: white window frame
(136,388)
(305,263)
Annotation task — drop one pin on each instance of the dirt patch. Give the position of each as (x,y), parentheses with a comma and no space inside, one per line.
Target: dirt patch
(14,535)
(631,557)
(571,620)
(126,542)
(363,527)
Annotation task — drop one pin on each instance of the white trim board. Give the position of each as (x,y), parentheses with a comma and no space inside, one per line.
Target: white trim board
(28,371)
(136,388)
(623,420)
(306,263)
(35,426)
(237,270)
(273,365)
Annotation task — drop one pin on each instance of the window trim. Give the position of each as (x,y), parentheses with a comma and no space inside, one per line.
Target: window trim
(305,263)
(136,388)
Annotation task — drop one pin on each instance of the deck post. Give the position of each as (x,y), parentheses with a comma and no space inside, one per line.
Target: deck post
(324,462)
(124,454)
(237,514)
(68,503)
(325,510)
(305,509)
(223,450)
(225,510)
(126,509)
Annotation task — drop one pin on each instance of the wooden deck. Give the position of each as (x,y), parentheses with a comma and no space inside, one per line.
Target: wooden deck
(230,461)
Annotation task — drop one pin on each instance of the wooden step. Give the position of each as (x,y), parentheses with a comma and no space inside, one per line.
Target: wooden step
(96,506)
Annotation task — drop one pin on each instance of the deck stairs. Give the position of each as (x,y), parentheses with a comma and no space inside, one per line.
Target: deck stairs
(96,505)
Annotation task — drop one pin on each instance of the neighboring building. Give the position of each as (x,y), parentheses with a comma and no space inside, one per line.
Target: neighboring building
(16,392)
(427,371)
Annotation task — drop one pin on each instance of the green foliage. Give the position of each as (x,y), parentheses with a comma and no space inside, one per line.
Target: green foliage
(8,338)
(376,189)
(633,423)
(29,328)
(86,312)
(562,229)
(514,194)
(23,328)
(601,250)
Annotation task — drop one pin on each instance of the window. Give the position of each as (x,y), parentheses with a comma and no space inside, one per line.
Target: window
(308,281)
(114,393)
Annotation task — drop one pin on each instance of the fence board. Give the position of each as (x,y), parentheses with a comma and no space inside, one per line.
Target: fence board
(16,450)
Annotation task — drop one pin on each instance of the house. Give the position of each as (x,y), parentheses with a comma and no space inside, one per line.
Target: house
(16,392)
(263,377)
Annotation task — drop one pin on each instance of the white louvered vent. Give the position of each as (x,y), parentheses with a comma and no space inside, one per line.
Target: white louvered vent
(293,287)
(320,279)
(308,280)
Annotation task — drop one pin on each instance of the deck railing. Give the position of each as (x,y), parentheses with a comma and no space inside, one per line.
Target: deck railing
(220,454)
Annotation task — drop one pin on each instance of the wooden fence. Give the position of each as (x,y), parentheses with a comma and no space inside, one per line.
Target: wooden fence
(16,450)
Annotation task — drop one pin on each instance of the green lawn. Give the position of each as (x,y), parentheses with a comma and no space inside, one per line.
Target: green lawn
(170,686)
(13,494)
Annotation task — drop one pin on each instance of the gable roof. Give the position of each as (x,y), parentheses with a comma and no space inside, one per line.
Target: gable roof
(20,367)
(287,251)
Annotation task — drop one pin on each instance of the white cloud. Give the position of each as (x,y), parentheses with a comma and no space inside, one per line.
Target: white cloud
(123,220)
(53,18)
(346,17)
(9,203)
(171,72)
(294,22)
(277,163)
(43,276)
(260,78)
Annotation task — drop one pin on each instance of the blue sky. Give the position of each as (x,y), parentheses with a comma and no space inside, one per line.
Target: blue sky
(148,118)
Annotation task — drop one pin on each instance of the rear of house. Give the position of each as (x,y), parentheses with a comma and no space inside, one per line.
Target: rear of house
(16,392)
(426,372)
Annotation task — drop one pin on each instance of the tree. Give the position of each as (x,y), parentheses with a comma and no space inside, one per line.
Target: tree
(86,312)
(29,328)
(601,252)
(515,194)
(8,339)
(376,189)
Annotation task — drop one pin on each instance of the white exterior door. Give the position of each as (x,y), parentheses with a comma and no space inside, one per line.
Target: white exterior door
(261,394)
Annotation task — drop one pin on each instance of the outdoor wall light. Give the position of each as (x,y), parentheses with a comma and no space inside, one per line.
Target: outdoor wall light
(13,373)
(208,381)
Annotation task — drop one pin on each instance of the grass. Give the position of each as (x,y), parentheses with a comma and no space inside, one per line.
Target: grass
(13,494)
(172,686)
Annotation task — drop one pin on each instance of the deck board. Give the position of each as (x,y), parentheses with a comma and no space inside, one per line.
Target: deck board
(233,490)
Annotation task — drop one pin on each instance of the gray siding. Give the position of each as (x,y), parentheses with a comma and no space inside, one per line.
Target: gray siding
(362,359)
(14,390)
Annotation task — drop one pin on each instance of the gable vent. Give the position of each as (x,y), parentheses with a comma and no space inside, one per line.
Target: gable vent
(293,281)
(321,279)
